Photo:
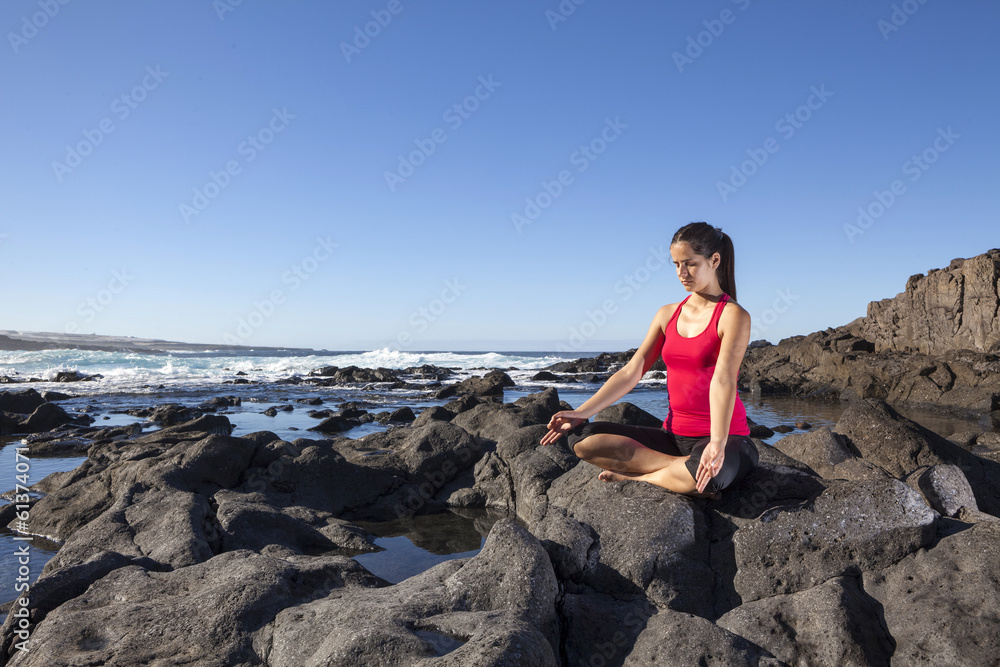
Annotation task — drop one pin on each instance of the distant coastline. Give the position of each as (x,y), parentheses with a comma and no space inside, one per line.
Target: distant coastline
(40,340)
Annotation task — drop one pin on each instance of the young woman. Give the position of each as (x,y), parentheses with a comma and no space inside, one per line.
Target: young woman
(704,444)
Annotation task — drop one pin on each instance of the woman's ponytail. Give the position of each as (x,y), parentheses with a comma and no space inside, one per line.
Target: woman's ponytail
(707,240)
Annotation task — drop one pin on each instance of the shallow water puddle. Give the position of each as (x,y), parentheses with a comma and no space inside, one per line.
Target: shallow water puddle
(416,544)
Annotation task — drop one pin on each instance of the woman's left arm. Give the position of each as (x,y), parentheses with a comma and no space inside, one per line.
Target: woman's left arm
(734,330)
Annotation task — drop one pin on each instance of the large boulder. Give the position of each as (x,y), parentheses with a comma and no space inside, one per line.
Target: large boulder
(22,402)
(643,539)
(899,446)
(942,605)
(829,454)
(434,453)
(492,421)
(834,624)
(624,412)
(491,384)
(675,638)
(945,488)
(48,416)
(850,528)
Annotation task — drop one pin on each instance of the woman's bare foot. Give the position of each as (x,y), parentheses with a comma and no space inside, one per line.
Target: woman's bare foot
(613,476)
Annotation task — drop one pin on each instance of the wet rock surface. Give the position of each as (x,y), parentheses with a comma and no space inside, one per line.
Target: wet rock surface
(871,543)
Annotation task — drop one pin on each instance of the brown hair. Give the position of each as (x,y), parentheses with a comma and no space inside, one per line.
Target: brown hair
(707,240)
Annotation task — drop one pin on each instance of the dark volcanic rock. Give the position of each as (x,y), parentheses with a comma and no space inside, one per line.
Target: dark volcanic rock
(23,402)
(602,363)
(491,384)
(675,638)
(941,605)
(829,454)
(436,412)
(642,539)
(497,608)
(74,376)
(624,412)
(834,623)
(851,527)
(759,430)
(404,414)
(900,446)
(316,400)
(48,416)
(945,488)
(247,521)
(217,402)
(433,453)
(209,613)
(947,309)
(492,421)
(170,414)
(335,424)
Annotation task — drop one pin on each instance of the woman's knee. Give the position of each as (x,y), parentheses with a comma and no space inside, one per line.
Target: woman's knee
(576,436)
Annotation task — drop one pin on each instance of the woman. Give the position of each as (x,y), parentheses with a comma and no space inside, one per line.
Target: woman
(704,444)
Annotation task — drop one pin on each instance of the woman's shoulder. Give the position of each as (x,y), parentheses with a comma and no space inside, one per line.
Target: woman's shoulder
(733,314)
(666,312)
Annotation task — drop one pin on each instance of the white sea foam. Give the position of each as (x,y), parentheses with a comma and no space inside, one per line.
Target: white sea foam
(132,371)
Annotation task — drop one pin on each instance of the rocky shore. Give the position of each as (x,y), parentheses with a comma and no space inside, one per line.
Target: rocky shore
(872,543)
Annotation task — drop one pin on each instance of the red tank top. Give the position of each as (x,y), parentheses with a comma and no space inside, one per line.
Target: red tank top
(690,365)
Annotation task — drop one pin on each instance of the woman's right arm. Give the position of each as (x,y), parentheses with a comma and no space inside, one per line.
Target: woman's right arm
(619,384)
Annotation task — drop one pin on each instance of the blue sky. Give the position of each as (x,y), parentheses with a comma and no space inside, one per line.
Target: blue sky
(266,173)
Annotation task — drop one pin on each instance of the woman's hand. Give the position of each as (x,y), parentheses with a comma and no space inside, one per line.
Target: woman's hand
(711,463)
(560,423)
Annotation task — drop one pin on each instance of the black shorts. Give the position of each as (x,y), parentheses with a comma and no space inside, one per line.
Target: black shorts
(741,452)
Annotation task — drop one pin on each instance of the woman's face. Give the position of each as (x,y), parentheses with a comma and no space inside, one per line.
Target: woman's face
(696,272)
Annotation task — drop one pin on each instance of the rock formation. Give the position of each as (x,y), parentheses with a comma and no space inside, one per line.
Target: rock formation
(871,543)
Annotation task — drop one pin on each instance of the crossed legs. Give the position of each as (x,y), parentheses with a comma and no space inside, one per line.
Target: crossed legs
(625,458)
